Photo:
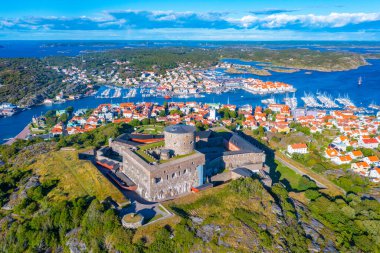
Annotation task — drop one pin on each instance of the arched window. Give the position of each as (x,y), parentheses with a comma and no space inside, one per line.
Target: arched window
(173,175)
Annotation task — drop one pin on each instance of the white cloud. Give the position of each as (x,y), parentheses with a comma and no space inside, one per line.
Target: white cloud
(126,20)
(332,20)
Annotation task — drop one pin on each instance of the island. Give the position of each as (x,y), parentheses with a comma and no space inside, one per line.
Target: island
(248,70)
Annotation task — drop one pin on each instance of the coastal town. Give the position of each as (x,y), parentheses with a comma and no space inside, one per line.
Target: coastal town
(353,131)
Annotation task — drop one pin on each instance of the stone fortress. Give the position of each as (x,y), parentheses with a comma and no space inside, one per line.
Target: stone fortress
(185,160)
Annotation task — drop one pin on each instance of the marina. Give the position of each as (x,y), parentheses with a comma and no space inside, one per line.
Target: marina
(346,101)
(8,109)
(115,92)
(292,102)
(310,101)
(326,101)
(217,86)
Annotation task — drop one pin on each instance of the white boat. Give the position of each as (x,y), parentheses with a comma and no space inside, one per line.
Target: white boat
(291,102)
(345,101)
(310,101)
(48,101)
(326,101)
(268,101)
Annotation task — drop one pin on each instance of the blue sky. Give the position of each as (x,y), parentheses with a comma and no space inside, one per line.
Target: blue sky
(190,20)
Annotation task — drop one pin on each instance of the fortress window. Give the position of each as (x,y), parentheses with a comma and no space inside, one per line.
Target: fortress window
(184,171)
(157,180)
(167,177)
(173,175)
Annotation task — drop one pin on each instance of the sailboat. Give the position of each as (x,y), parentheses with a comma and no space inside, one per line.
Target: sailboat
(360,81)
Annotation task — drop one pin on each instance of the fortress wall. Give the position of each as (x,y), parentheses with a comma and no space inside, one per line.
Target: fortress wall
(176,177)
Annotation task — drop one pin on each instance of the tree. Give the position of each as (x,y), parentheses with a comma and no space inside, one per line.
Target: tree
(50,114)
(268,111)
(173,112)
(241,117)
(70,110)
(152,121)
(199,126)
(260,131)
(312,194)
(134,122)
(304,183)
(145,121)
(226,114)
(63,118)
(162,113)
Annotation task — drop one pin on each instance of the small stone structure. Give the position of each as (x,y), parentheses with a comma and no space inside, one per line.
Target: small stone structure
(132,220)
(165,154)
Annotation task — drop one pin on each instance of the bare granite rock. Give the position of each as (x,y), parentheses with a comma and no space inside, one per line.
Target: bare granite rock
(207,232)
(330,248)
(311,232)
(20,193)
(32,182)
(196,220)
(13,201)
(74,244)
(276,209)
(6,221)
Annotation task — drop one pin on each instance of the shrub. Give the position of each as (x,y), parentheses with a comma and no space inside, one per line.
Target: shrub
(312,194)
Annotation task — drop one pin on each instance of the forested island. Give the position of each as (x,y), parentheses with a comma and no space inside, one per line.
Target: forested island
(28,81)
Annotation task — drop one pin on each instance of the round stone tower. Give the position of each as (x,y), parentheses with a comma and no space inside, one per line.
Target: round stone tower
(180,139)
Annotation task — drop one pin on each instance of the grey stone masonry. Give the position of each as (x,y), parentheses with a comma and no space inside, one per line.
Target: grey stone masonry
(180,139)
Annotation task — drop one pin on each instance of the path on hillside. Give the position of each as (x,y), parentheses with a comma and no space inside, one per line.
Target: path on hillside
(320,180)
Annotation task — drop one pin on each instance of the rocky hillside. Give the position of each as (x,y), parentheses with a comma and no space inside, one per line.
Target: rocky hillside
(39,213)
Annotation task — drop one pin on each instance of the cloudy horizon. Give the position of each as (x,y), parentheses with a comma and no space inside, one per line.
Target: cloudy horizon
(333,23)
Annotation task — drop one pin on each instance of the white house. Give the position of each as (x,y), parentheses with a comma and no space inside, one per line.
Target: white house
(346,159)
(212,115)
(374,175)
(368,143)
(360,166)
(371,159)
(331,153)
(356,154)
(298,148)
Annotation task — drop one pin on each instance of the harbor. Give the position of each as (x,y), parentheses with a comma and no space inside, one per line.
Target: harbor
(220,87)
